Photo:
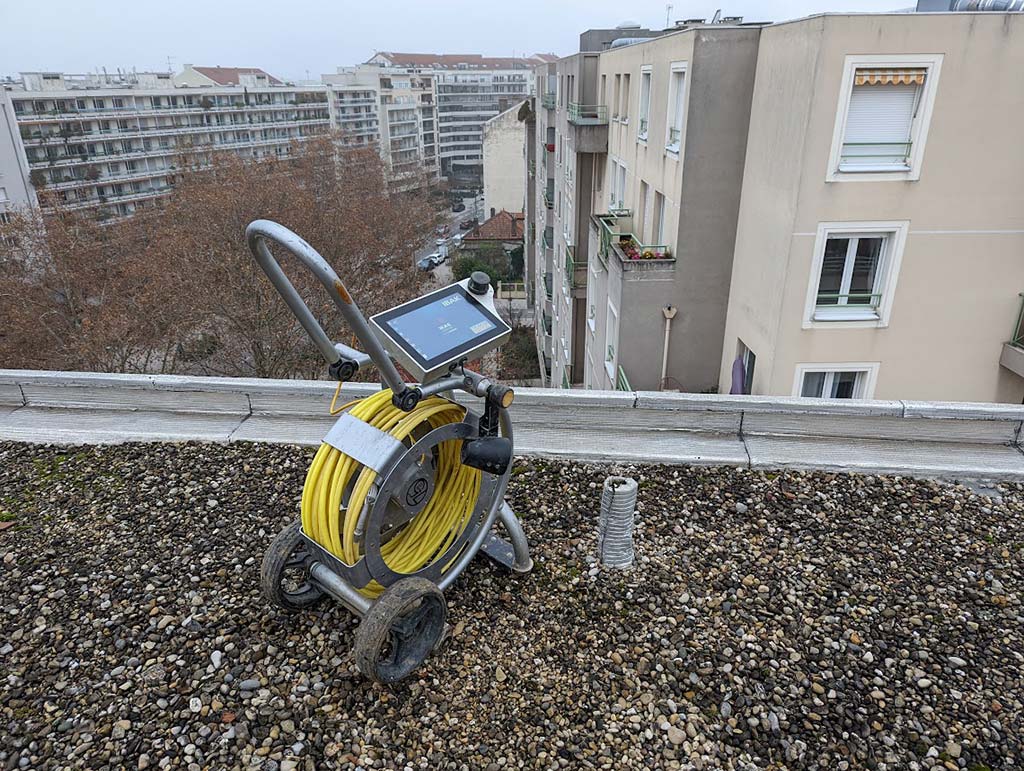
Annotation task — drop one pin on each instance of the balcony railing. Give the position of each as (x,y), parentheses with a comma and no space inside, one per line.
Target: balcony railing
(575,270)
(871,156)
(549,198)
(588,114)
(622,382)
(546,240)
(545,322)
(548,292)
(856,299)
(614,236)
(547,101)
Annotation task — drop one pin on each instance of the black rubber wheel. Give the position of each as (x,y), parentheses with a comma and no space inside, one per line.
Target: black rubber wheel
(401,629)
(284,576)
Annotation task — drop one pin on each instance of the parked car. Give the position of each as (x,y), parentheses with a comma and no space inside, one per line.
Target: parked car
(426,263)
(457,240)
(458,206)
(437,258)
(468,224)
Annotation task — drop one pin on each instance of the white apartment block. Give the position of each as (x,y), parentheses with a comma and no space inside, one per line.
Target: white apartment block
(403,112)
(112,143)
(504,141)
(787,209)
(470,90)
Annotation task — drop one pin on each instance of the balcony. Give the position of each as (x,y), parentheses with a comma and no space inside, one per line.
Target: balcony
(547,240)
(547,101)
(588,114)
(589,127)
(1013,350)
(549,198)
(615,237)
(548,292)
(575,270)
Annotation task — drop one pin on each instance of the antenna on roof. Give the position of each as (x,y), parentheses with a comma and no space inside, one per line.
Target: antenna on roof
(717,17)
(668,13)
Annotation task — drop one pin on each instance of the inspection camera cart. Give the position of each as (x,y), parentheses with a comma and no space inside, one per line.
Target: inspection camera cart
(431,337)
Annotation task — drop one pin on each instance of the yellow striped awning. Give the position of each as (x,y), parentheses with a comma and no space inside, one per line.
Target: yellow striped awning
(890,76)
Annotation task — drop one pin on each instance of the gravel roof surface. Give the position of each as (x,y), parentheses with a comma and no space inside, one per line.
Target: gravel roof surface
(793,621)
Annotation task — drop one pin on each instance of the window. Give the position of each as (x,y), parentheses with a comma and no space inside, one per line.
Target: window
(617,197)
(645,104)
(853,274)
(603,96)
(615,96)
(743,370)
(624,116)
(836,381)
(882,117)
(657,237)
(676,108)
(611,336)
(642,210)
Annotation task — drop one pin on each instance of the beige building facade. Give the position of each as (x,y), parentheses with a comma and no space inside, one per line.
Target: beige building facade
(829,207)
(880,247)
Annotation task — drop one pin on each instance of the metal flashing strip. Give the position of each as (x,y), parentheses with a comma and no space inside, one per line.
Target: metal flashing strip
(932,439)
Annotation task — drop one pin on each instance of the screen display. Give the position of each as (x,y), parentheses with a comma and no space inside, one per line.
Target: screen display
(443,325)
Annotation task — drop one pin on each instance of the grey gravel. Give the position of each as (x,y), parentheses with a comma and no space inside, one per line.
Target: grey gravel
(817,621)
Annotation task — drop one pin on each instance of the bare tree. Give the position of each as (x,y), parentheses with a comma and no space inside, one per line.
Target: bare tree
(174,289)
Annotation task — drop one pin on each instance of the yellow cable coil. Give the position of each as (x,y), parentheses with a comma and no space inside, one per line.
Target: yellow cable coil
(429,534)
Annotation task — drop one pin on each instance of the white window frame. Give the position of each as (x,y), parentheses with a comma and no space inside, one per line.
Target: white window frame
(865,386)
(895,232)
(675,67)
(611,365)
(643,122)
(932,63)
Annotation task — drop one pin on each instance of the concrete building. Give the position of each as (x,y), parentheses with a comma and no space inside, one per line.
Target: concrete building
(784,209)
(879,248)
(504,148)
(618,127)
(113,143)
(402,118)
(15,189)
(471,89)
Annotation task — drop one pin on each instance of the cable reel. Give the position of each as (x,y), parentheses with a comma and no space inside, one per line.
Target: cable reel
(408,484)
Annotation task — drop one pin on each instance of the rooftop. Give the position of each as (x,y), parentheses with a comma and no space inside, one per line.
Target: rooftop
(229,76)
(772,620)
(456,61)
(503,226)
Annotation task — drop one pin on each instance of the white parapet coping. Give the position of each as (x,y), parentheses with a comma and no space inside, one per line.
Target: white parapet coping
(936,439)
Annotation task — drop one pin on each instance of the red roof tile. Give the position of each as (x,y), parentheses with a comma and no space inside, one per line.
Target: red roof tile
(228,76)
(503,226)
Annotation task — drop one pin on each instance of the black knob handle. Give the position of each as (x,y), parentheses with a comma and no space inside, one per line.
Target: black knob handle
(479,282)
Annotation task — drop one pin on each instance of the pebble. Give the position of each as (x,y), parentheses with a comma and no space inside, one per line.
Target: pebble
(815,633)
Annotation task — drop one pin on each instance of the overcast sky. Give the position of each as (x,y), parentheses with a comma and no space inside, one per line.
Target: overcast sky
(292,38)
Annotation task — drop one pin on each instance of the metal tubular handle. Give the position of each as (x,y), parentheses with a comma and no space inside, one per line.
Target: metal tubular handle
(261,231)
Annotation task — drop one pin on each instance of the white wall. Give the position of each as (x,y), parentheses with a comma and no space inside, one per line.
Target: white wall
(504,154)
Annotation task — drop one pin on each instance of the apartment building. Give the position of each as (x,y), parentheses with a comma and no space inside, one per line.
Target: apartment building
(113,143)
(795,209)
(470,89)
(402,118)
(618,247)
(880,245)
